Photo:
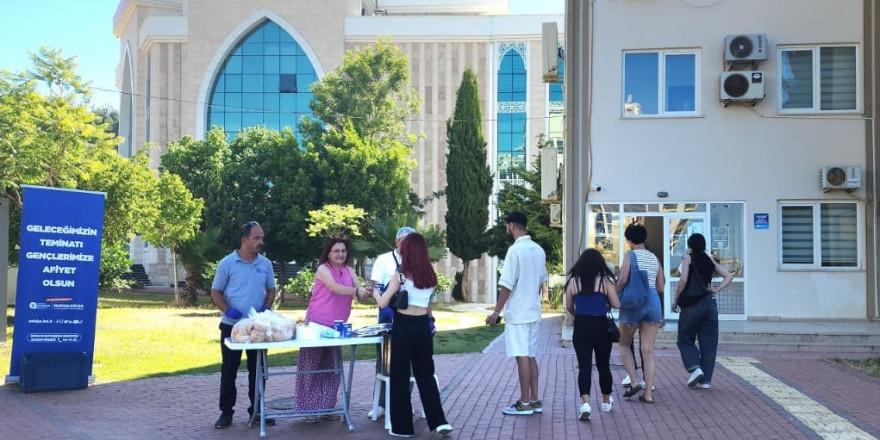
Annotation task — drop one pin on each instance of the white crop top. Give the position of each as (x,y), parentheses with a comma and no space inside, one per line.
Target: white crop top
(418,297)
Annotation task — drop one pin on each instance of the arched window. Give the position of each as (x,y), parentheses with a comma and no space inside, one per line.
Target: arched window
(265,81)
(511,116)
(126,115)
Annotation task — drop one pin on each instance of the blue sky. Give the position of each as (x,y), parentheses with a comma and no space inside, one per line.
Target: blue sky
(85,28)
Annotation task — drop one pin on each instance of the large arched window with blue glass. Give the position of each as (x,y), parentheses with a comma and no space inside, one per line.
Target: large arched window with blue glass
(511,116)
(265,81)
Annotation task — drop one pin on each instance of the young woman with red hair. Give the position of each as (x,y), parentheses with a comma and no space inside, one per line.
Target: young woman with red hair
(411,342)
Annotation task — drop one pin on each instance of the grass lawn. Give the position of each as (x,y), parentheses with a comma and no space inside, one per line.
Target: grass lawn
(140,335)
(870,366)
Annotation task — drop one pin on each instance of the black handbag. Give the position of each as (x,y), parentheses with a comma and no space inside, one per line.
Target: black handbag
(695,290)
(611,329)
(400,300)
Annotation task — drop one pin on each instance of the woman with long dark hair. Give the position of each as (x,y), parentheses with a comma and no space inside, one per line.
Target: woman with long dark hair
(336,283)
(698,322)
(589,292)
(411,343)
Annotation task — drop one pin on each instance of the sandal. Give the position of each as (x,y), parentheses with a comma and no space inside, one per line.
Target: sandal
(633,390)
(643,400)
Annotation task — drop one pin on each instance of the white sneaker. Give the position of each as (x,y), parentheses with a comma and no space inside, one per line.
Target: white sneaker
(626,381)
(695,377)
(379,413)
(704,385)
(584,412)
(606,407)
(444,429)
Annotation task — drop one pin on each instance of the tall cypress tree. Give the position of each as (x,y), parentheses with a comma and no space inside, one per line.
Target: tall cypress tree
(468,179)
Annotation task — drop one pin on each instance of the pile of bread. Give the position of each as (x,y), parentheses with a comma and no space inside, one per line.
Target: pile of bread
(268,326)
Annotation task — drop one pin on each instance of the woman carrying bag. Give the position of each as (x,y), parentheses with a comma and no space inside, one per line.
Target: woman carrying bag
(411,343)
(698,321)
(588,293)
(639,285)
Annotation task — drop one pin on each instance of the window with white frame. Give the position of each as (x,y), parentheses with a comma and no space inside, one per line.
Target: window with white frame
(818,78)
(660,83)
(819,235)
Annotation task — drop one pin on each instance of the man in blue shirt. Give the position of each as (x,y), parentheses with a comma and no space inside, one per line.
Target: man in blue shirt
(244,280)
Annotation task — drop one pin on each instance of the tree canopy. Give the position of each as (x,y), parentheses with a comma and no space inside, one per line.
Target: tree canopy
(371,91)
(50,137)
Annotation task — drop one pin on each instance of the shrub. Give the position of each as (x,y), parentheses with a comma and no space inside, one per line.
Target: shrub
(456,288)
(115,262)
(443,283)
(300,286)
(208,272)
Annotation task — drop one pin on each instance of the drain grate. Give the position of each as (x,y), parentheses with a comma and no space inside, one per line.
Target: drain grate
(285,404)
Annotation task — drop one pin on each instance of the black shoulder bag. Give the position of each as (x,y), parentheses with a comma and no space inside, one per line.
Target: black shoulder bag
(612,329)
(695,290)
(400,300)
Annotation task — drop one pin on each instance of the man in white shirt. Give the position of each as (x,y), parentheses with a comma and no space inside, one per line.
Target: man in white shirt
(384,268)
(522,276)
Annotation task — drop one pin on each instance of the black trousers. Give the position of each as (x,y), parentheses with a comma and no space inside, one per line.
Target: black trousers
(590,337)
(412,347)
(229,370)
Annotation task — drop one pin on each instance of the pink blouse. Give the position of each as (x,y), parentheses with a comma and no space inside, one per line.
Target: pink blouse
(326,306)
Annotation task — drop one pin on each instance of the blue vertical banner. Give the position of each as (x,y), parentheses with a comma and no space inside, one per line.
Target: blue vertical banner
(58,266)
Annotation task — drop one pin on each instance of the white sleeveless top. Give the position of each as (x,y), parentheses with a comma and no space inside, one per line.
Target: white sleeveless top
(418,297)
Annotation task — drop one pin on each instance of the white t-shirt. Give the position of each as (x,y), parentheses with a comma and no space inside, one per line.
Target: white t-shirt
(384,267)
(523,273)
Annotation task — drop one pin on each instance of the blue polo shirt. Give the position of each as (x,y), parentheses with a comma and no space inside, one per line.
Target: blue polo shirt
(243,283)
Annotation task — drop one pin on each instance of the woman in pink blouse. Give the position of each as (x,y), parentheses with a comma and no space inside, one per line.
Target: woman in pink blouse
(335,285)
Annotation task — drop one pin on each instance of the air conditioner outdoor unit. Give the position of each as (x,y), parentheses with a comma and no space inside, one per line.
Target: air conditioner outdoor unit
(745,48)
(556,215)
(742,85)
(550,51)
(840,177)
(549,174)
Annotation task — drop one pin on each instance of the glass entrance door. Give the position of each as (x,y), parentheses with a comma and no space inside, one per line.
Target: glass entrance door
(669,225)
(678,227)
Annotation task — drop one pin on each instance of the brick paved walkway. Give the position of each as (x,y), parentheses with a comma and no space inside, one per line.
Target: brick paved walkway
(840,402)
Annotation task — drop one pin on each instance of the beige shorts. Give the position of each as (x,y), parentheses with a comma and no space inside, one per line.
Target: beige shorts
(521,339)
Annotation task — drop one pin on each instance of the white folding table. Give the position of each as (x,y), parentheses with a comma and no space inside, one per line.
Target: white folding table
(338,368)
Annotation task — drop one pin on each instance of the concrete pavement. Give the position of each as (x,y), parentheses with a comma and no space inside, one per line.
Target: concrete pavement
(755,395)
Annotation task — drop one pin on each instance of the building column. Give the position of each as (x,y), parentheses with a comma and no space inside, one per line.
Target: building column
(871,98)
(578,91)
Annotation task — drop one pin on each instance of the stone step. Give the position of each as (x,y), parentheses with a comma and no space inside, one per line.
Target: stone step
(764,341)
(808,336)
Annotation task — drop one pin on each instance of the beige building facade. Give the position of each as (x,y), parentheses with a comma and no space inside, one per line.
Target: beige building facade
(178,76)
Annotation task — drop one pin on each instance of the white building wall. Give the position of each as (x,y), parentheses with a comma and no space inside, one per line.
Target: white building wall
(753,155)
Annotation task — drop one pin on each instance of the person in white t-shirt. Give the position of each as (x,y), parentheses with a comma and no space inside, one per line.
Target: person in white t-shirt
(522,276)
(384,268)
